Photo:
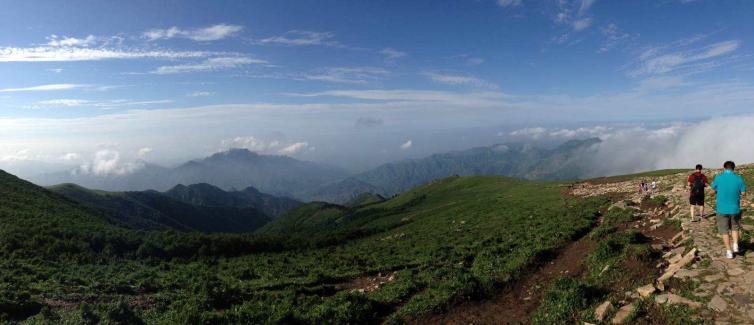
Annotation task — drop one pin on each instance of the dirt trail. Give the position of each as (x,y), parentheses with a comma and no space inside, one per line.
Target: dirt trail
(515,305)
(725,287)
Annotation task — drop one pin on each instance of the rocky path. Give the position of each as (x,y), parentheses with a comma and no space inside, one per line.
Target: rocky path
(724,288)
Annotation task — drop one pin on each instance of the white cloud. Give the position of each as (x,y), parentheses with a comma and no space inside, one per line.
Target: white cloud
(450,79)
(303,38)
(269,145)
(534,133)
(585,6)
(50,87)
(509,3)
(143,152)
(391,53)
(55,41)
(478,99)
(56,70)
(575,14)
(474,61)
(201,94)
(64,54)
(208,65)
(71,156)
(407,145)
(355,75)
(614,37)
(251,143)
(104,104)
(63,102)
(211,33)
(108,162)
(681,58)
(19,155)
(582,24)
(293,148)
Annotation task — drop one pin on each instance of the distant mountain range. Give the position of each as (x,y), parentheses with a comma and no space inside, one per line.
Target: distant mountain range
(309,181)
(199,207)
(233,169)
(513,160)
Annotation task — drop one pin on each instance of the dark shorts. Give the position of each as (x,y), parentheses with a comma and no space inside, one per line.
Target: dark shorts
(696,199)
(728,222)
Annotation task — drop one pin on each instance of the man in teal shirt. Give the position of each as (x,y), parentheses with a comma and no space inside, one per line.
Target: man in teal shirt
(729,187)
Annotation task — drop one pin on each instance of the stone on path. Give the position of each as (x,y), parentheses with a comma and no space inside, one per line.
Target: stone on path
(602,310)
(736,271)
(673,268)
(713,277)
(623,313)
(673,299)
(646,290)
(718,304)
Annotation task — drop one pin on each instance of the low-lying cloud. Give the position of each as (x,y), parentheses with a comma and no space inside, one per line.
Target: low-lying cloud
(108,162)
(629,149)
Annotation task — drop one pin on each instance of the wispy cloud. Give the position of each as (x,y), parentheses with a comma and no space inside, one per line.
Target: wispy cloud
(303,38)
(211,64)
(407,145)
(684,58)
(50,87)
(266,145)
(55,41)
(62,54)
(392,53)
(575,15)
(463,99)
(509,3)
(211,33)
(103,104)
(201,94)
(294,148)
(355,75)
(450,79)
(614,37)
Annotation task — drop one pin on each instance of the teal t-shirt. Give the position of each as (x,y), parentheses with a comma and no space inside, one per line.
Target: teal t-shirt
(729,187)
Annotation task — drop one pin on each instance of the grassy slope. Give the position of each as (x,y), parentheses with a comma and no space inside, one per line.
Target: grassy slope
(151,210)
(450,240)
(454,238)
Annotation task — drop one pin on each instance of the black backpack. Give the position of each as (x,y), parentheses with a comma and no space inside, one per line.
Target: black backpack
(698,186)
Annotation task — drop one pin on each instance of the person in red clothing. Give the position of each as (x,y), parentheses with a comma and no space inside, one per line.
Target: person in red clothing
(697,183)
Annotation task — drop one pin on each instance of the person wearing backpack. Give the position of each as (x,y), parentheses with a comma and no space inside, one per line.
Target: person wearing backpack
(697,183)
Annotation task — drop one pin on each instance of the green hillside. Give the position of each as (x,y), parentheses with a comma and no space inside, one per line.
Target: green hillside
(448,241)
(208,195)
(151,210)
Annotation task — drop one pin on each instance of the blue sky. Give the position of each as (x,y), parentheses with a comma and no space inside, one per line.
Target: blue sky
(355,83)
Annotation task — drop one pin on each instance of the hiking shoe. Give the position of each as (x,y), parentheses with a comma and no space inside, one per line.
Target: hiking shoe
(729,254)
(694,219)
(735,248)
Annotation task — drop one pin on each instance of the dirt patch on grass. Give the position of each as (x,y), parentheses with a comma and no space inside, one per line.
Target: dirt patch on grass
(366,284)
(662,234)
(517,303)
(142,302)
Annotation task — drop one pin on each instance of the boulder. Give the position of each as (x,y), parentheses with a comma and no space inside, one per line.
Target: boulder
(646,290)
(718,304)
(603,310)
(623,314)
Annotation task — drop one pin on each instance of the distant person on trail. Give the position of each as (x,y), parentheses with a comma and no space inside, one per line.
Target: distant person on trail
(654,186)
(697,182)
(729,187)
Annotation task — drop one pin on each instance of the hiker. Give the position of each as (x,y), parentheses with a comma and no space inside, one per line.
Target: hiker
(697,182)
(654,186)
(729,187)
